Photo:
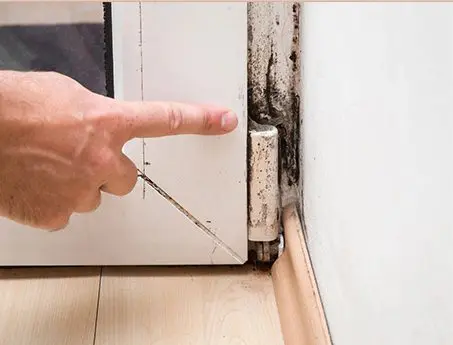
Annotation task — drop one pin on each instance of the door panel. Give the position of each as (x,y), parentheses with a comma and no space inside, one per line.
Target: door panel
(164,51)
(202,62)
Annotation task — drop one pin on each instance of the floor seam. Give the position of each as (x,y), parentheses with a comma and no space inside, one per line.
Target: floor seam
(97,307)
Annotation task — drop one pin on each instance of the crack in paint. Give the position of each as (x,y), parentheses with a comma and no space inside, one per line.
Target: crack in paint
(208,232)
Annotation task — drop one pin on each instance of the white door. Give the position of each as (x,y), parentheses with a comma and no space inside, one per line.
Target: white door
(197,214)
(378,169)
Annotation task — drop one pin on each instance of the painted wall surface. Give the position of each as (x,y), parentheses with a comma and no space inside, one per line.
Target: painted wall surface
(378,168)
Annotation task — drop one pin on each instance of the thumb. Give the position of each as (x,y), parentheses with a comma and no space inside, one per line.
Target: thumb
(156,119)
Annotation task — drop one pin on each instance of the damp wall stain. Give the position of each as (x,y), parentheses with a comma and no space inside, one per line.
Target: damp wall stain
(274,84)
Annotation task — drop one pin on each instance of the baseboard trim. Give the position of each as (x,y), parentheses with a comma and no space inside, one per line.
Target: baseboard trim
(299,305)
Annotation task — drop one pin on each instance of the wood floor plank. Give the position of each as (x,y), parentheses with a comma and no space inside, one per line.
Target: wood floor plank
(48,306)
(187,306)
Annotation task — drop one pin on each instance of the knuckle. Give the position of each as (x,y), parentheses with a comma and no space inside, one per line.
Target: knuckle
(57,223)
(43,213)
(207,121)
(175,118)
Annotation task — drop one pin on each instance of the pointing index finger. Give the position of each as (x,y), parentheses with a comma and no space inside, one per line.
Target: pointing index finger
(156,119)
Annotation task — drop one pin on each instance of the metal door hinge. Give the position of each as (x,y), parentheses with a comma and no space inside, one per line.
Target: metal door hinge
(264,205)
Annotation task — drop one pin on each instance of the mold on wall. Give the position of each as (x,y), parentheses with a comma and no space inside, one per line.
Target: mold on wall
(274,82)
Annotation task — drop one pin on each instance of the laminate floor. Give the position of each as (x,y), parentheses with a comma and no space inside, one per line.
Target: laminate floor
(146,305)
(53,306)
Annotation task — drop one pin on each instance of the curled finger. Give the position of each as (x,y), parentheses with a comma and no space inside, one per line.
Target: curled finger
(122,181)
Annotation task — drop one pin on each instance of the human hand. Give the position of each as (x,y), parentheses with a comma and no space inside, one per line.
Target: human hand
(61,144)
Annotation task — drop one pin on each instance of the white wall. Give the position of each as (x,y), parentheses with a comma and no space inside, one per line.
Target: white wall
(378,160)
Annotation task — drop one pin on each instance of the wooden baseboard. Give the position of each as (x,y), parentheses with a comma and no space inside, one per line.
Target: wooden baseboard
(301,312)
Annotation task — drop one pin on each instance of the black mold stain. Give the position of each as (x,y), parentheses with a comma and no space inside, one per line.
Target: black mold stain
(292,163)
(276,106)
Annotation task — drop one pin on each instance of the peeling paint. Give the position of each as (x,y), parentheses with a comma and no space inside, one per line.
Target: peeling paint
(274,82)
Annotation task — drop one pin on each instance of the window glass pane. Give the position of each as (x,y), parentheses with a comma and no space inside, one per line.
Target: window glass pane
(66,37)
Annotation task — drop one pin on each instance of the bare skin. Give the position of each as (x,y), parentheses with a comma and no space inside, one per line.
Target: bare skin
(61,145)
